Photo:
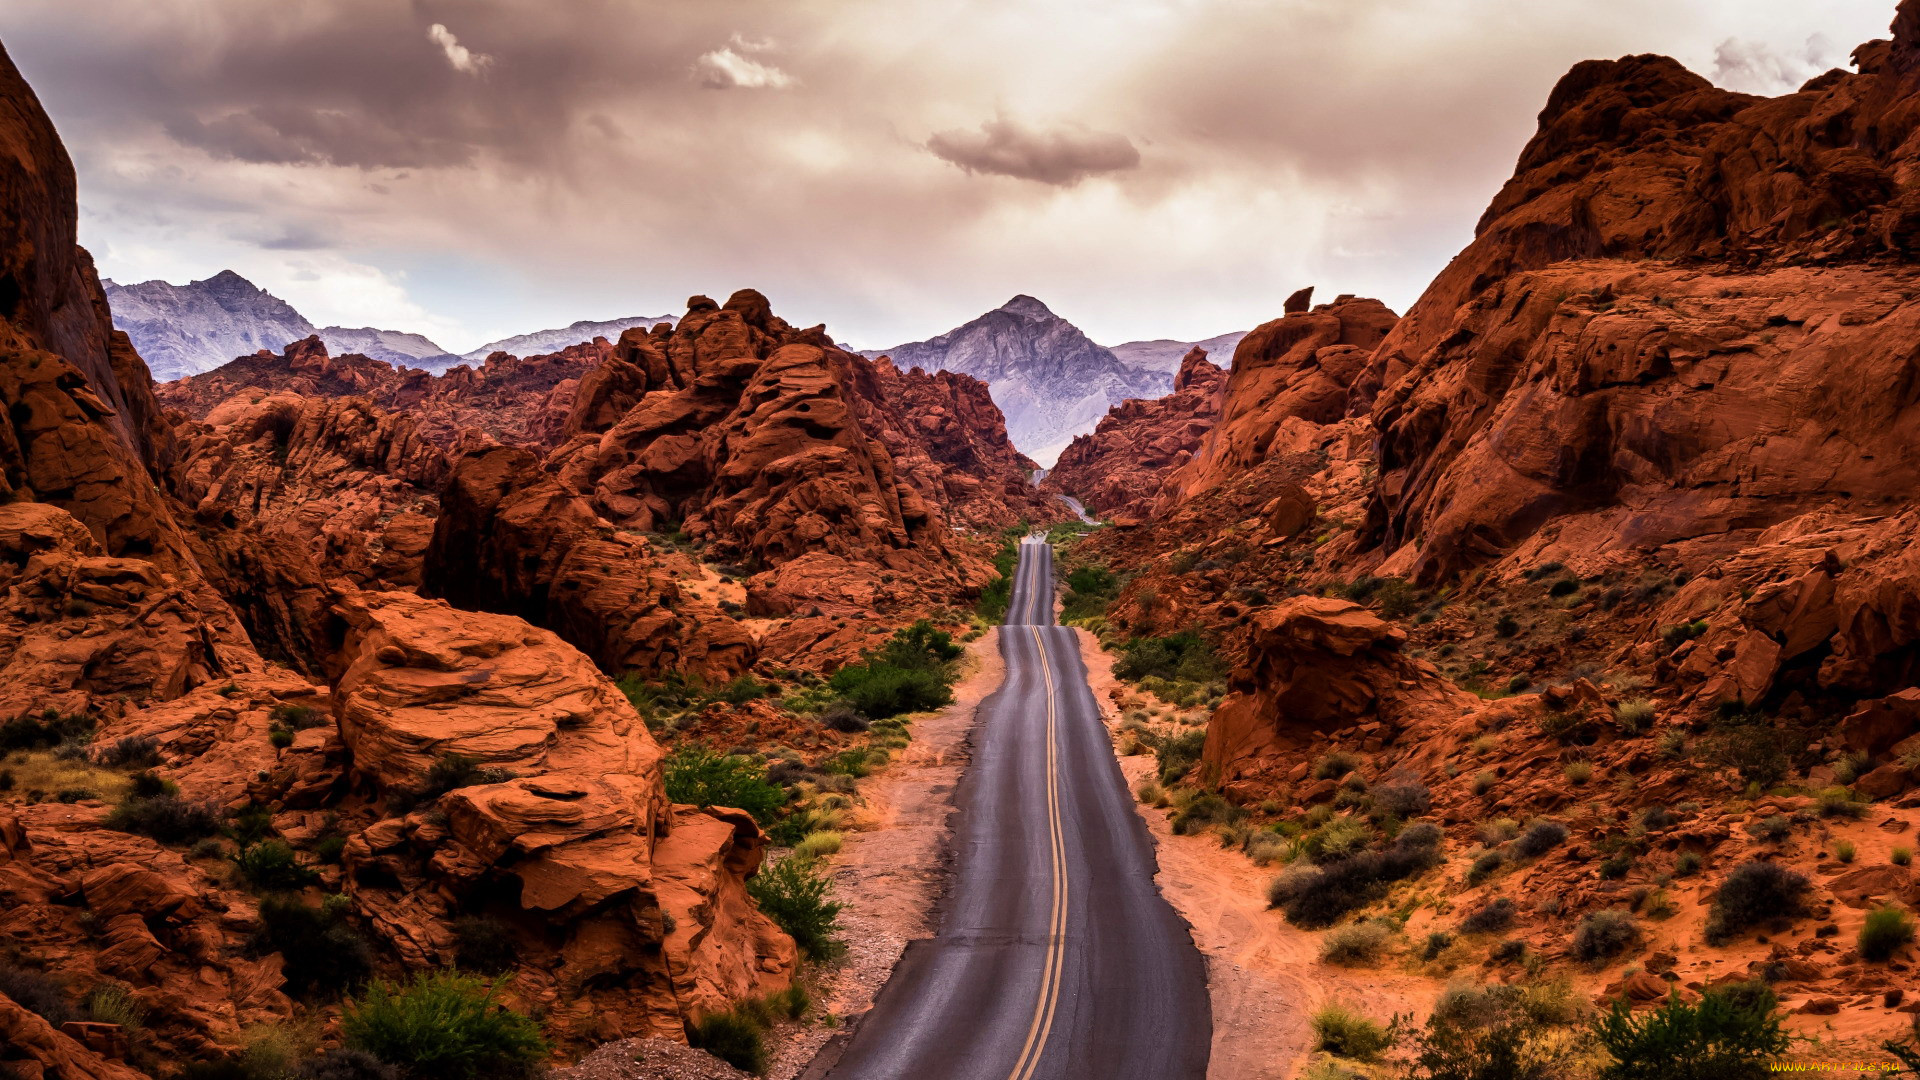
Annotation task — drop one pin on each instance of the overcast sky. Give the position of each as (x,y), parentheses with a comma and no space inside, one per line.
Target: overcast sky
(1150,168)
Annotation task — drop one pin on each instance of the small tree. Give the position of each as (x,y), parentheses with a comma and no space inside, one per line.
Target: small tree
(1721,1038)
(443,1025)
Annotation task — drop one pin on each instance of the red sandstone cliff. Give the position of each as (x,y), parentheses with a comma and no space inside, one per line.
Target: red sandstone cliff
(1118,469)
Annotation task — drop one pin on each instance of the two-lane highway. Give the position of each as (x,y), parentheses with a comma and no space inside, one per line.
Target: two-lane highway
(1057,958)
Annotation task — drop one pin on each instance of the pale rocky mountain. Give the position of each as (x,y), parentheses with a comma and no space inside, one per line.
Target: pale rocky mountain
(541,342)
(186,329)
(1049,378)
(1165,354)
(394,346)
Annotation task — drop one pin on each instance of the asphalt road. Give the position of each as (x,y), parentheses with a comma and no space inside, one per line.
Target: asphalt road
(1056,956)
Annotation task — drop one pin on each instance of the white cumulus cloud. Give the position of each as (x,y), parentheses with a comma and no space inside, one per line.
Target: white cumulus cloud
(463,59)
(730,68)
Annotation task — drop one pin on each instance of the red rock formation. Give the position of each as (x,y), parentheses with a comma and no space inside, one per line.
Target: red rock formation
(632,912)
(762,444)
(1564,365)
(1288,377)
(519,401)
(1118,469)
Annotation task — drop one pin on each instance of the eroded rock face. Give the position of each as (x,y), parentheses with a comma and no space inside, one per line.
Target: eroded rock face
(633,912)
(763,443)
(1315,666)
(1118,470)
(1559,366)
(1288,377)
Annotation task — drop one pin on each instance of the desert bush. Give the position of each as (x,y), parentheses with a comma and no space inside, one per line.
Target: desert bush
(1615,866)
(1506,626)
(818,845)
(1634,715)
(844,719)
(1265,847)
(1488,1036)
(1345,1032)
(1752,894)
(1773,829)
(1183,656)
(1887,929)
(1437,942)
(879,689)
(1420,834)
(1900,856)
(1203,811)
(1360,943)
(37,993)
(1150,793)
(1844,850)
(1497,831)
(1483,782)
(1339,838)
(793,894)
(1179,753)
(443,1025)
(1605,933)
(1347,884)
(320,950)
(1495,914)
(271,865)
(1657,817)
(1687,864)
(451,771)
(1541,837)
(735,1037)
(1484,865)
(343,1064)
(695,774)
(1839,802)
(1335,765)
(111,1003)
(1401,800)
(169,819)
(1717,1039)
(131,752)
(1579,772)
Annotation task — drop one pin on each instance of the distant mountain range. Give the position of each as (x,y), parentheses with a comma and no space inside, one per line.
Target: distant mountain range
(1050,379)
(184,330)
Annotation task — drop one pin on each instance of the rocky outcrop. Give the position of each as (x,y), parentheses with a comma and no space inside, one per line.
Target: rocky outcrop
(518,401)
(1119,469)
(632,913)
(1289,377)
(1670,336)
(1317,666)
(755,442)
(511,539)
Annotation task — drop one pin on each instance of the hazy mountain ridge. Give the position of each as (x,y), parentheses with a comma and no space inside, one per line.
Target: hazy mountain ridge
(546,341)
(1050,379)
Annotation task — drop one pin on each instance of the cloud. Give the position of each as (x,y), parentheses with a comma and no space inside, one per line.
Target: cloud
(463,59)
(1758,68)
(729,68)
(1063,156)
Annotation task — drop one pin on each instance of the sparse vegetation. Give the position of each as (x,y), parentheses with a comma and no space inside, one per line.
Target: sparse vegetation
(1541,837)
(443,1025)
(1635,715)
(322,953)
(1360,943)
(698,775)
(793,893)
(1495,914)
(1886,930)
(1722,1037)
(1755,893)
(1335,765)
(1345,1032)
(1605,933)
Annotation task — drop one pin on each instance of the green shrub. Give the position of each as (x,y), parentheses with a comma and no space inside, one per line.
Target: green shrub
(1615,866)
(1361,943)
(110,1003)
(1344,1032)
(452,771)
(1752,894)
(1541,837)
(1487,1034)
(921,646)
(793,894)
(1335,765)
(1090,589)
(1483,782)
(879,689)
(1495,914)
(1401,800)
(1720,1038)
(271,865)
(734,1037)
(818,845)
(1178,754)
(1634,715)
(320,950)
(1885,931)
(1484,866)
(1687,864)
(169,819)
(1839,802)
(443,1024)
(1844,850)
(1900,856)
(1185,655)
(697,775)
(1579,772)
(130,752)
(1397,598)
(1604,934)
(1203,811)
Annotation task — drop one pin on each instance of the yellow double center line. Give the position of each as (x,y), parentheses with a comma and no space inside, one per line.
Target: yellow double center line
(1029,1059)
